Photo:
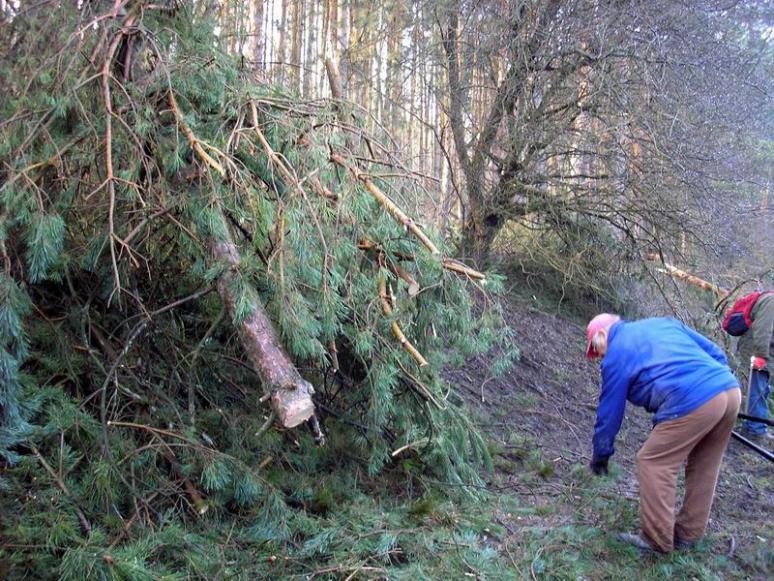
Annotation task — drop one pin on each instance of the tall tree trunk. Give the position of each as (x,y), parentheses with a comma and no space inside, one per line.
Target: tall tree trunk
(334,49)
(231,28)
(380,49)
(259,39)
(366,53)
(309,68)
(394,84)
(345,33)
(270,45)
(427,120)
(411,121)
(282,51)
(328,12)
(352,78)
(241,26)
(296,36)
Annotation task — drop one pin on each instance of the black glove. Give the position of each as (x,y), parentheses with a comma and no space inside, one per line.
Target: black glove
(599,466)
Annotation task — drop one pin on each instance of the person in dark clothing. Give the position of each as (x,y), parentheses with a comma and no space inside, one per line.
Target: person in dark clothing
(683,378)
(755,349)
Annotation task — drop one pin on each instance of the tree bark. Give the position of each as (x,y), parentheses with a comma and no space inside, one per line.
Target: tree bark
(478,233)
(296,39)
(282,45)
(259,38)
(310,62)
(291,394)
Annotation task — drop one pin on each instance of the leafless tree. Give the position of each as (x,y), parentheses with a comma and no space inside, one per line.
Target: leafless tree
(628,113)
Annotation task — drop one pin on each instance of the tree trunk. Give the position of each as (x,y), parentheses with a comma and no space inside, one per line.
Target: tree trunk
(393,84)
(478,234)
(282,45)
(258,38)
(310,62)
(412,108)
(291,395)
(296,39)
(328,11)
(344,30)
(231,27)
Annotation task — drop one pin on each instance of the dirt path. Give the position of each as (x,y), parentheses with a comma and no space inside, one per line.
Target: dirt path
(542,413)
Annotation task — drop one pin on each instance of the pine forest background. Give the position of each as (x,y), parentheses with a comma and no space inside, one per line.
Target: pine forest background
(245,243)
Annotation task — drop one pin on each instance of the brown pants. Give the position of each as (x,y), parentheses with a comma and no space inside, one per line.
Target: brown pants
(700,438)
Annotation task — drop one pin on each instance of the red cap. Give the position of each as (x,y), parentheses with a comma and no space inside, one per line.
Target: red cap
(602,321)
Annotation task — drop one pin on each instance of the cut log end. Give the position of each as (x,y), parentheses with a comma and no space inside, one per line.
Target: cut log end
(294,406)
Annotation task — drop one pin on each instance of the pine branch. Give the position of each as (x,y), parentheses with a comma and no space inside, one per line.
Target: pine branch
(85,525)
(109,181)
(392,208)
(196,498)
(128,524)
(421,387)
(266,425)
(457,266)
(420,442)
(396,330)
(274,160)
(196,144)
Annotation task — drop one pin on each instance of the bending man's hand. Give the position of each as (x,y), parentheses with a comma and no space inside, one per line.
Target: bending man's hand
(758,363)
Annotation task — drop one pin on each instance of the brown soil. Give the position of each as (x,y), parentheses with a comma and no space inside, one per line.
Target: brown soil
(547,401)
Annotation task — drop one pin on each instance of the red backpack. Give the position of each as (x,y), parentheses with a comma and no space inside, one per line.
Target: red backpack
(738,320)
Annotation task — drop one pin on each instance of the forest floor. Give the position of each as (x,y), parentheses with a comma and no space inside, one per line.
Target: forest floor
(541,516)
(540,414)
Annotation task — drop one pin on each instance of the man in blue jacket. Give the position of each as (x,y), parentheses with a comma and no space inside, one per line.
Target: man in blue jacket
(684,379)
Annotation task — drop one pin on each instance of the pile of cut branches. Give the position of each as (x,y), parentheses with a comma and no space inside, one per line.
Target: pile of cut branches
(194,267)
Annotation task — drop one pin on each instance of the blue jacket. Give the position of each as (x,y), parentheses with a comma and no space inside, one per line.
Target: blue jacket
(661,365)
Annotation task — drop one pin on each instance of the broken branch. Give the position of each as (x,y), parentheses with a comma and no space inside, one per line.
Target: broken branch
(456,266)
(396,330)
(688,277)
(391,207)
(196,144)
(420,442)
(403,274)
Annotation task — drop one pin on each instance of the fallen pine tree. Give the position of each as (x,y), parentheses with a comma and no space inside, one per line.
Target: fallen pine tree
(194,267)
